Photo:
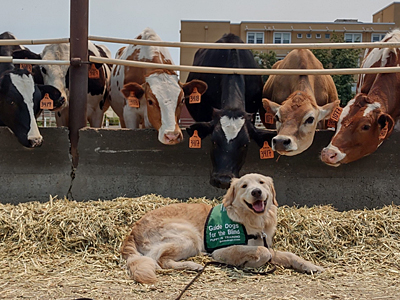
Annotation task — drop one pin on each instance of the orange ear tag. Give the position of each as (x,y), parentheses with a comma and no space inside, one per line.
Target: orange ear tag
(331,124)
(384,131)
(26,67)
(46,102)
(195,96)
(336,114)
(195,141)
(266,151)
(133,101)
(269,116)
(93,72)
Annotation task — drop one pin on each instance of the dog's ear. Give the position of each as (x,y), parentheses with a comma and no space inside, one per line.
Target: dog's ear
(271,184)
(230,194)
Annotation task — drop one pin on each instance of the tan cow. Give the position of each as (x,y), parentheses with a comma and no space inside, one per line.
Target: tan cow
(148,96)
(299,102)
(369,118)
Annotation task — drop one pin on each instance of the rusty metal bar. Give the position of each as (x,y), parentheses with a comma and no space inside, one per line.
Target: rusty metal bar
(78,72)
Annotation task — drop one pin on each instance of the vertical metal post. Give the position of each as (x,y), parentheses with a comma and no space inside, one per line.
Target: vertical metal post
(78,72)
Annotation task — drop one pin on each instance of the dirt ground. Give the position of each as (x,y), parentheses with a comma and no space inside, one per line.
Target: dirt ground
(57,278)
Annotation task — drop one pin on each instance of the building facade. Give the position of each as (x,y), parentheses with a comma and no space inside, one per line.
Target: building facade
(265,32)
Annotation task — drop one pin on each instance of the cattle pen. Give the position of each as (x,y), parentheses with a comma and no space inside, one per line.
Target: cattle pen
(65,212)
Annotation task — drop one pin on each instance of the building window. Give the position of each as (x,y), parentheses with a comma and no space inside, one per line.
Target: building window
(327,35)
(377,37)
(255,37)
(299,35)
(309,35)
(282,38)
(317,35)
(352,37)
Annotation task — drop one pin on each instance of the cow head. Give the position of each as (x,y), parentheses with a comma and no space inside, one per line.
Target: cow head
(230,132)
(50,75)
(164,97)
(17,92)
(361,129)
(296,121)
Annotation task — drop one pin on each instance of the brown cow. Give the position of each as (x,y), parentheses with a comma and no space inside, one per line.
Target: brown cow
(369,118)
(148,96)
(299,102)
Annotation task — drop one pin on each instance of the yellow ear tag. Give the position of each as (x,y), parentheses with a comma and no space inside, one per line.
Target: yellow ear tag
(93,72)
(266,151)
(336,114)
(132,100)
(26,67)
(269,116)
(195,141)
(46,102)
(195,96)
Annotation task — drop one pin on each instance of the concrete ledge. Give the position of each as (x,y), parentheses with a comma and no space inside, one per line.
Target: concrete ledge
(34,174)
(132,163)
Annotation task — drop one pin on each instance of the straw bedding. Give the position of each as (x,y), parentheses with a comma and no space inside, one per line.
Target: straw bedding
(64,249)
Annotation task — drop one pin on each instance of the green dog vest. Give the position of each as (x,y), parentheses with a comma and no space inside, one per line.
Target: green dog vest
(220,231)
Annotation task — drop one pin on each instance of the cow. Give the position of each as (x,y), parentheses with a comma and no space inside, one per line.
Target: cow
(369,118)
(299,103)
(20,99)
(226,109)
(149,97)
(58,77)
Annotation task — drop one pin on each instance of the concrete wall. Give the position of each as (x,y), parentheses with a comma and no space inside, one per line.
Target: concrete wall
(132,163)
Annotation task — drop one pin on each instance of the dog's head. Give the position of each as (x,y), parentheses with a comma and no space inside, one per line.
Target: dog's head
(252,194)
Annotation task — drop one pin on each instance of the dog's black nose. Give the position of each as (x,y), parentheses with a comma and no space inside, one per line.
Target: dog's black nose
(256,193)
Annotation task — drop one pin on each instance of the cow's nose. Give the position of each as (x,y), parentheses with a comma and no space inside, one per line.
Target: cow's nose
(330,156)
(221,181)
(256,193)
(173,137)
(281,143)
(36,142)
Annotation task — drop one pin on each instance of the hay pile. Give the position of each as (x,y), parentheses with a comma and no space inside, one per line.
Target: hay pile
(62,238)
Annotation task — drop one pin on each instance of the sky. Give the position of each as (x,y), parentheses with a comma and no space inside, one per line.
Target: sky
(42,19)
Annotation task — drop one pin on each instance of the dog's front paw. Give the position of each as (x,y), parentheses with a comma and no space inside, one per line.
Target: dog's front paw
(311,268)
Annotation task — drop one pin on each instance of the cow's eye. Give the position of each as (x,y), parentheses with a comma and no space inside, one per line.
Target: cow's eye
(310,120)
(244,186)
(44,70)
(366,127)
(150,102)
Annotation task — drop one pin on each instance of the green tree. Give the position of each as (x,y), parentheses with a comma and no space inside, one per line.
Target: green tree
(265,60)
(338,59)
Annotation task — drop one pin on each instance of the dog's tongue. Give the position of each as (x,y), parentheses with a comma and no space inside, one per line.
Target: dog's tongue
(258,206)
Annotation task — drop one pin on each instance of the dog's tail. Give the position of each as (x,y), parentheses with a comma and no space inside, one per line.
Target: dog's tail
(140,268)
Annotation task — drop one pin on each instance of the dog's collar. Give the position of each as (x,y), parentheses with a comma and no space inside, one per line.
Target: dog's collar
(261,235)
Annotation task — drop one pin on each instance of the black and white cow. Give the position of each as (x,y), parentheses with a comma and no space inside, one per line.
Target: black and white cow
(226,109)
(20,99)
(58,77)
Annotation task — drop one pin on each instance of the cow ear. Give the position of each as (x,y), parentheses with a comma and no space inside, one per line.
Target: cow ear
(383,121)
(203,129)
(326,110)
(268,104)
(24,53)
(231,193)
(134,88)
(188,87)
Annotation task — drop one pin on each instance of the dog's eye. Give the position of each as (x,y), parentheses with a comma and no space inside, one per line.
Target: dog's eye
(244,186)
(261,182)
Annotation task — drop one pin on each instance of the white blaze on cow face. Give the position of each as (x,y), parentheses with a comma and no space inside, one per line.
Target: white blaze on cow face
(371,108)
(231,127)
(26,87)
(165,87)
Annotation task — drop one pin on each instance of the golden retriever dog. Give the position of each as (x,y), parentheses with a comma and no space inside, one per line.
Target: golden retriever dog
(165,237)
